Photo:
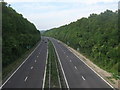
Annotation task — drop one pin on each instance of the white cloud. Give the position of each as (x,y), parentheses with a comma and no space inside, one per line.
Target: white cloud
(53,19)
(50,15)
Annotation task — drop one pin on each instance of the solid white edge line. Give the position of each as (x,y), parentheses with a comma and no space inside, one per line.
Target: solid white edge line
(95,72)
(58,72)
(18,67)
(61,66)
(89,67)
(45,70)
(49,72)
(92,69)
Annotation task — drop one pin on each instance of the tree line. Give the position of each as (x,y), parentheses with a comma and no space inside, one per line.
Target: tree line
(18,35)
(96,37)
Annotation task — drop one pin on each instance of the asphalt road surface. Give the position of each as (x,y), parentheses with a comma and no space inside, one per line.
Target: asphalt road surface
(31,72)
(77,74)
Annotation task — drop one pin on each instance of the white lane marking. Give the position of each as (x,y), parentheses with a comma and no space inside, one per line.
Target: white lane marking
(49,71)
(37,56)
(32,67)
(70,61)
(45,70)
(35,61)
(39,53)
(61,67)
(75,67)
(67,56)
(58,73)
(89,67)
(18,68)
(93,70)
(26,79)
(83,78)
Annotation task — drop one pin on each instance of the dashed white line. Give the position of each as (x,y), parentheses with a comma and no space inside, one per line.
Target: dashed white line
(93,70)
(70,61)
(90,68)
(75,67)
(37,56)
(83,78)
(67,56)
(18,68)
(35,61)
(39,53)
(32,67)
(26,79)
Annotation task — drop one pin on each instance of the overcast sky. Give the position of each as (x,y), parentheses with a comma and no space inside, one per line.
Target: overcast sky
(47,14)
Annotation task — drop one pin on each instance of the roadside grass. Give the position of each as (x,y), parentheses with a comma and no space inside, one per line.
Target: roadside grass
(54,77)
(47,74)
(54,74)
(61,77)
(7,71)
(51,80)
(110,78)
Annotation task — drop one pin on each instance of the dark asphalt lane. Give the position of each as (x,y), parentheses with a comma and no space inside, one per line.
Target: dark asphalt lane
(31,73)
(78,74)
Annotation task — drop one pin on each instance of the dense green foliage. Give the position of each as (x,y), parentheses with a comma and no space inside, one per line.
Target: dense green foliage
(96,37)
(18,34)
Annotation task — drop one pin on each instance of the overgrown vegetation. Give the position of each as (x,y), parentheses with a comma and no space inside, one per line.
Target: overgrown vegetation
(96,37)
(18,34)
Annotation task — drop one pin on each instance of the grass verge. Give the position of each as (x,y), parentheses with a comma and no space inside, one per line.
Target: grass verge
(52,79)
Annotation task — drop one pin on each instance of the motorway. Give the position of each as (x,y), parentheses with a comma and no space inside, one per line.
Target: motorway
(76,73)
(30,74)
